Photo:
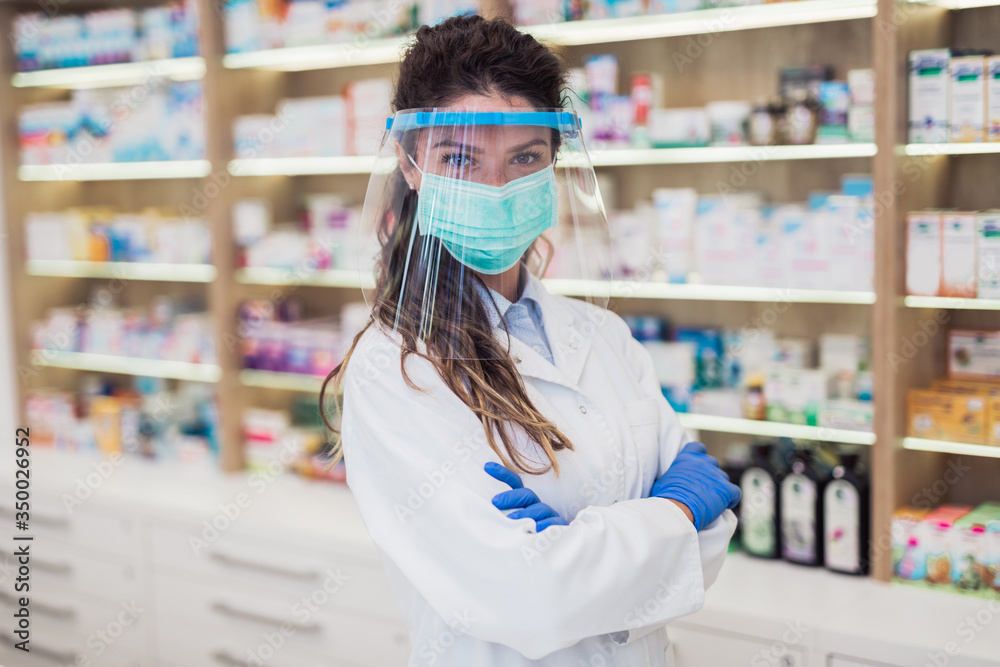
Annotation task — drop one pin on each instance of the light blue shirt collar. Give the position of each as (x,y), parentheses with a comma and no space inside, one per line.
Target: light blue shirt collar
(529,295)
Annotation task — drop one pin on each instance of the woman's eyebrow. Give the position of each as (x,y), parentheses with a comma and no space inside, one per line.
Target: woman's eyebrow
(450,143)
(534,142)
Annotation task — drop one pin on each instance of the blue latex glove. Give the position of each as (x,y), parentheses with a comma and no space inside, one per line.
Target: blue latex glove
(522,499)
(695,479)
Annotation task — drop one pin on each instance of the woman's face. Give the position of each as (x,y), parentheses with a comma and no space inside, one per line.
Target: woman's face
(488,154)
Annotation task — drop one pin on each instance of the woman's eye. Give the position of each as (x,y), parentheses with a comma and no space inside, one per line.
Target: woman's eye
(458,159)
(526,158)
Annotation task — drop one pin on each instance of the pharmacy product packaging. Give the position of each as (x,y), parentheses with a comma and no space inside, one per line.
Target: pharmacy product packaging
(906,561)
(937,415)
(988,254)
(861,83)
(678,128)
(675,211)
(674,366)
(958,255)
(993,98)
(928,96)
(973,354)
(923,253)
(368,103)
(967,99)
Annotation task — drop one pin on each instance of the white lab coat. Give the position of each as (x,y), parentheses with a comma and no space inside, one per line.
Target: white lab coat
(480,590)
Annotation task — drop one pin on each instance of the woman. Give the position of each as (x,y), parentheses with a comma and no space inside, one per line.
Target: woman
(470,375)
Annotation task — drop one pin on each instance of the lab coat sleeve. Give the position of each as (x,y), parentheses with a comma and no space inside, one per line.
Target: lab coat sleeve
(414,463)
(713,540)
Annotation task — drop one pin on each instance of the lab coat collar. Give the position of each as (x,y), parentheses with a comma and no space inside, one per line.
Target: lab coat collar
(566,335)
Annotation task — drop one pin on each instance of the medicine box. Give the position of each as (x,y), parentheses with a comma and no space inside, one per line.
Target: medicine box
(988,254)
(937,415)
(958,254)
(923,253)
(967,99)
(993,98)
(973,354)
(928,96)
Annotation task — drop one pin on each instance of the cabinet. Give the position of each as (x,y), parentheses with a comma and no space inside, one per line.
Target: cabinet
(696,648)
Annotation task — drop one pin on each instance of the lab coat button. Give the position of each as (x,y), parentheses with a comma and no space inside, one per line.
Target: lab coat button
(583,409)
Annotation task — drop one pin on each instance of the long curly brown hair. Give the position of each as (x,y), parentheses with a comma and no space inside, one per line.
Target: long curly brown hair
(463,55)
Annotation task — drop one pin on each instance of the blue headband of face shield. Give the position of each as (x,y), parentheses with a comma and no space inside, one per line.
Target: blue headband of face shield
(564,121)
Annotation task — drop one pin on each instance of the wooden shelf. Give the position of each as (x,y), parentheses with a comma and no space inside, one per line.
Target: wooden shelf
(774,429)
(620,157)
(115,171)
(951,149)
(343,278)
(104,363)
(954,303)
(951,447)
(118,74)
(571,33)
(724,19)
(177,273)
(688,292)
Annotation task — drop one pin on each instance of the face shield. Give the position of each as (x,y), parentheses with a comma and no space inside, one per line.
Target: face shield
(463,200)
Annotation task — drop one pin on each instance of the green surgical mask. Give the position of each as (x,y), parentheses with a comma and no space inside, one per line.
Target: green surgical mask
(485,227)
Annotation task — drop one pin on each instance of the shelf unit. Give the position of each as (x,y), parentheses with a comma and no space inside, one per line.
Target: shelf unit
(181,273)
(844,33)
(104,363)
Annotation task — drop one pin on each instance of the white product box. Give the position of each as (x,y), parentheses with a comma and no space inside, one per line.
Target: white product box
(839,216)
(923,253)
(958,255)
(861,83)
(368,103)
(993,98)
(842,352)
(771,263)
(967,99)
(861,123)
(928,114)
(675,211)
(988,255)
(726,227)
(671,128)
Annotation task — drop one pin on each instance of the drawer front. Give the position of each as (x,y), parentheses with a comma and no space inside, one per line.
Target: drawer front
(696,648)
(58,569)
(271,567)
(69,630)
(79,618)
(181,644)
(103,532)
(261,620)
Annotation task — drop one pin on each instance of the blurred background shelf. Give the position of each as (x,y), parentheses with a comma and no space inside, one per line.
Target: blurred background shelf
(321,56)
(286,381)
(115,171)
(323,278)
(774,429)
(181,273)
(657,290)
(943,446)
(955,303)
(951,149)
(622,157)
(725,19)
(118,74)
(104,363)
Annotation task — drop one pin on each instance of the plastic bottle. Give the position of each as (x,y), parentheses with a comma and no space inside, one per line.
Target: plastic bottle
(737,460)
(802,512)
(760,509)
(846,518)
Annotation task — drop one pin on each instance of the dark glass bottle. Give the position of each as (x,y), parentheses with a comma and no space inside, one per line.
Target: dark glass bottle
(802,512)
(846,501)
(760,507)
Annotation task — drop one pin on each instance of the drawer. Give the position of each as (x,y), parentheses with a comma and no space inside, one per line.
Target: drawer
(103,532)
(265,566)
(76,619)
(696,648)
(58,569)
(79,632)
(183,644)
(262,619)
